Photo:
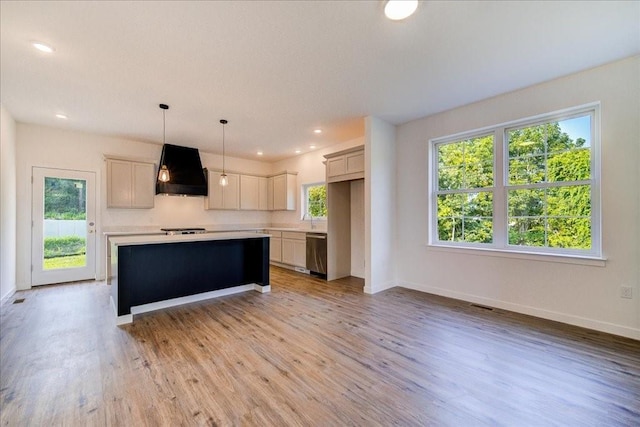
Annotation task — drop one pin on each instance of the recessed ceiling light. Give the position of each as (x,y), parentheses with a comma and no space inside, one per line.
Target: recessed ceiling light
(298,151)
(260,153)
(397,10)
(312,147)
(42,47)
(317,131)
(62,116)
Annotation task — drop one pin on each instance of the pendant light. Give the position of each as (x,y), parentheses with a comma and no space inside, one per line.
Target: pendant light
(223,177)
(163,174)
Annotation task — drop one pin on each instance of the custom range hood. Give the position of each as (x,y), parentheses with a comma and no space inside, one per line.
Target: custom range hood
(185,173)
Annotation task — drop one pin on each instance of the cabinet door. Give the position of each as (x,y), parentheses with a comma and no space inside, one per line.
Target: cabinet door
(144,180)
(275,249)
(279,193)
(214,197)
(118,184)
(336,166)
(300,253)
(355,162)
(270,193)
(263,194)
(231,193)
(249,192)
(288,251)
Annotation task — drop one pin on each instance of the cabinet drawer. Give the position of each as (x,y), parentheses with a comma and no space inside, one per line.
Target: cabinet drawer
(294,235)
(274,233)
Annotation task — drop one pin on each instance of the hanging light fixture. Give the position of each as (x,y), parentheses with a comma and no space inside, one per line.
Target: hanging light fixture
(163,173)
(223,177)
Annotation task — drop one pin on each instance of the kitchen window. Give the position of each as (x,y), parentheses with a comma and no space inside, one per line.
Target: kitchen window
(525,186)
(315,200)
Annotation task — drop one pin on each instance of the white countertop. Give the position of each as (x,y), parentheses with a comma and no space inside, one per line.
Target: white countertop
(299,230)
(147,239)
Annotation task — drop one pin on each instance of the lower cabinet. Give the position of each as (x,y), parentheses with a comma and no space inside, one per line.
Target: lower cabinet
(275,246)
(289,247)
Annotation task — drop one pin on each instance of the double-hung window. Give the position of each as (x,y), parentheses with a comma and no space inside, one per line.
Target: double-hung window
(525,186)
(314,198)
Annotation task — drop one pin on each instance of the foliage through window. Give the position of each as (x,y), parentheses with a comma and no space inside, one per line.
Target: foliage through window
(315,196)
(525,186)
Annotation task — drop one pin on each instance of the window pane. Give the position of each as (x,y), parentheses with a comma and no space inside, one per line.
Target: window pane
(526,141)
(572,233)
(466,164)
(573,201)
(450,154)
(317,200)
(577,130)
(450,229)
(478,230)
(527,231)
(479,204)
(526,202)
(450,178)
(574,165)
(526,170)
(65,230)
(466,217)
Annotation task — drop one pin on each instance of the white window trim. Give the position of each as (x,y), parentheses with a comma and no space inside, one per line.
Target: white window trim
(500,246)
(305,201)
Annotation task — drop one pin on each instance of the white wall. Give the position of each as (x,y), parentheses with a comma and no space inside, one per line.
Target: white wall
(583,295)
(380,205)
(311,169)
(7,204)
(55,148)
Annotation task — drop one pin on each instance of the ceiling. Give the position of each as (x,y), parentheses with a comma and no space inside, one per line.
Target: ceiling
(279,70)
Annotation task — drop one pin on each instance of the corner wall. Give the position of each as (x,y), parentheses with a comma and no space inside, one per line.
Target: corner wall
(583,295)
(380,205)
(8,197)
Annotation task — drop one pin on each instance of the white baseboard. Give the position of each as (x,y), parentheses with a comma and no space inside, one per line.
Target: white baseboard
(7,296)
(583,322)
(145,308)
(368,289)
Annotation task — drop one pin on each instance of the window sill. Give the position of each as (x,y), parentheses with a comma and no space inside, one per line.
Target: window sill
(530,256)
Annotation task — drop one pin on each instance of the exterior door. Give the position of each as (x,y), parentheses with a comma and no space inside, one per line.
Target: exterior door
(63,226)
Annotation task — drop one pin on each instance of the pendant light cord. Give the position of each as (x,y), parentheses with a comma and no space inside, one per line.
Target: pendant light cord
(223,148)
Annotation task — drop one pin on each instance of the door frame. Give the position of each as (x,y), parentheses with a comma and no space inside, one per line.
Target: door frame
(39,276)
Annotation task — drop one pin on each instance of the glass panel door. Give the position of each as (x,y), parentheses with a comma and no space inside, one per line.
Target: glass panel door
(63,226)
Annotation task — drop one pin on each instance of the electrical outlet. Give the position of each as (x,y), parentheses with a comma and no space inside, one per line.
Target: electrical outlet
(626,292)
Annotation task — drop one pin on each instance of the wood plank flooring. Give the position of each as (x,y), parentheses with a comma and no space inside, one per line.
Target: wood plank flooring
(308,353)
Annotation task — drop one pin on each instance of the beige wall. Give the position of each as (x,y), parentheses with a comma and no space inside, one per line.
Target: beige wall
(584,295)
(7,204)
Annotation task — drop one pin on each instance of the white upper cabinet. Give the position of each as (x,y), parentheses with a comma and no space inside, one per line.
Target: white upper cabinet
(263,193)
(130,184)
(219,197)
(284,192)
(345,165)
(249,192)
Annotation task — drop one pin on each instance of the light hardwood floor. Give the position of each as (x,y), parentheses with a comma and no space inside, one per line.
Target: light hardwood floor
(308,353)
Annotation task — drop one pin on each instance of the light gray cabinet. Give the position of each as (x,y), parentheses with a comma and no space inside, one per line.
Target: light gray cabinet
(345,165)
(219,197)
(294,248)
(130,184)
(284,192)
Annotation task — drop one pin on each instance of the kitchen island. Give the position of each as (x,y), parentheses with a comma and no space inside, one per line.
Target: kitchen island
(158,271)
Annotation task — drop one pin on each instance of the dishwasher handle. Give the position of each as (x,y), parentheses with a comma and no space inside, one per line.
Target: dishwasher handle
(316,236)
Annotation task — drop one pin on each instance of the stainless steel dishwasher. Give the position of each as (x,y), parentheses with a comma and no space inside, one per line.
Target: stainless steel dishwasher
(317,253)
